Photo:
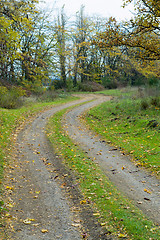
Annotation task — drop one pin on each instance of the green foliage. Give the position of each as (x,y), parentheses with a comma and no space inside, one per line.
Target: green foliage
(153,81)
(11,98)
(144,104)
(58,84)
(3,90)
(150,102)
(48,96)
(109,82)
(90,86)
(26,44)
(155,101)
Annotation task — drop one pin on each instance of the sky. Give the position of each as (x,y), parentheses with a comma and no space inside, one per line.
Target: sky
(104,8)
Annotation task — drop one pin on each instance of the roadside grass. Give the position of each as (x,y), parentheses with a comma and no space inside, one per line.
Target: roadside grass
(13,118)
(133,125)
(116,214)
(122,93)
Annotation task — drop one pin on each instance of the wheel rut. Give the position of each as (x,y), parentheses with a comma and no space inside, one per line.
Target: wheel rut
(39,206)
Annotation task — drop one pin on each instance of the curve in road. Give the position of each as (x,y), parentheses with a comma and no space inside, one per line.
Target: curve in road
(121,171)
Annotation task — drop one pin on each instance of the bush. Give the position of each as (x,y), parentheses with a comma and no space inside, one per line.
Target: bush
(109,83)
(48,96)
(3,90)
(90,86)
(155,101)
(11,98)
(144,104)
(153,81)
(58,84)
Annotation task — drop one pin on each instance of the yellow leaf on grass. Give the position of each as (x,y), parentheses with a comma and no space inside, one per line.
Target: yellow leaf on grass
(83,202)
(121,235)
(96,214)
(103,224)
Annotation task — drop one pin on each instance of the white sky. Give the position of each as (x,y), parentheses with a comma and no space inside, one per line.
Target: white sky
(104,8)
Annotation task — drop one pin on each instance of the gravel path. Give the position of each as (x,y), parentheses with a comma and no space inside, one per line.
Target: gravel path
(131,180)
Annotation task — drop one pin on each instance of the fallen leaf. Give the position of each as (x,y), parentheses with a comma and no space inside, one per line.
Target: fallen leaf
(38,192)
(9,188)
(27,221)
(76,224)
(122,235)
(44,230)
(103,224)
(147,199)
(9,205)
(147,191)
(96,214)
(83,202)
(63,185)
(8,215)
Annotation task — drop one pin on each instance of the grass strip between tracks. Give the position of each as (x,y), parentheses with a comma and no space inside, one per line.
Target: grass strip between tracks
(116,214)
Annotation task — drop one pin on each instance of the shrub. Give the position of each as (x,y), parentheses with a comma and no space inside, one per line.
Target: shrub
(153,81)
(48,95)
(144,104)
(109,82)
(3,90)
(58,84)
(90,86)
(11,98)
(155,101)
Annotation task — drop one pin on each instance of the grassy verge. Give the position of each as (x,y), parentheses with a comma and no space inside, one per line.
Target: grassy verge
(122,93)
(132,124)
(115,213)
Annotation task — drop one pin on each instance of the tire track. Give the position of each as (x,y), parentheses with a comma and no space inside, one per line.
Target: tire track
(39,209)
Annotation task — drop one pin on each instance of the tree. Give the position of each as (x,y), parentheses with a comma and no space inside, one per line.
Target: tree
(26,44)
(81,44)
(61,37)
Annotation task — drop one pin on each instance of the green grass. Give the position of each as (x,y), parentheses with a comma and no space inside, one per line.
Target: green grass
(136,131)
(115,213)
(122,93)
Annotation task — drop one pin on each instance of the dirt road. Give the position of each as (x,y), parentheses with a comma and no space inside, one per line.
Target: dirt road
(40,208)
